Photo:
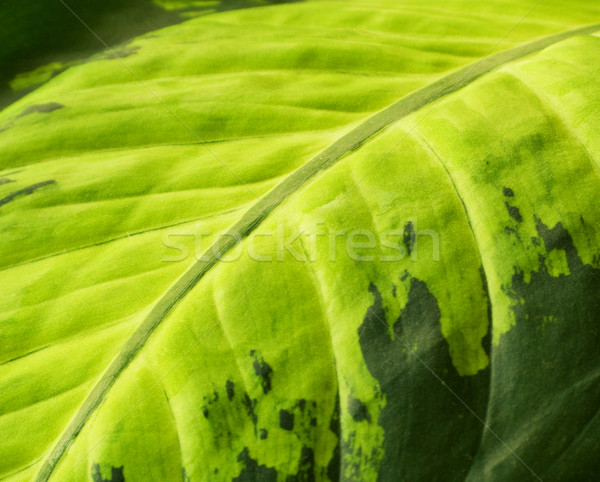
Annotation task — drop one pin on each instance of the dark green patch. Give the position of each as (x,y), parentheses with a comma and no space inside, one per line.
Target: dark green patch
(486,342)
(514,212)
(250,404)
(41,108)
(546,296)
(5,181)
(546,390)
(422,419)
(299,419)
(25,191)
(307,410)
(286,419)
(409,237)
(351,458)
(263,370)
(306,467)
(358,410)
(229,387)
(252,471)
(508,192)
(116,474)
(335,463)
(214,403)
(208,401)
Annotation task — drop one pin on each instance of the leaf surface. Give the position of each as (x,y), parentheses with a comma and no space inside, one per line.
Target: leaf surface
(389,118)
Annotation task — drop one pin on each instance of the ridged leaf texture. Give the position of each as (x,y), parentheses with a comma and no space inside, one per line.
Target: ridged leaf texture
(468,130)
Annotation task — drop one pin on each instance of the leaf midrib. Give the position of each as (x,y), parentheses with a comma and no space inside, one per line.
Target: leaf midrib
(270,201)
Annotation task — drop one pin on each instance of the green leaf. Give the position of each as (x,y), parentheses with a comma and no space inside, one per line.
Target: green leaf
(41,38)
(407,287)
